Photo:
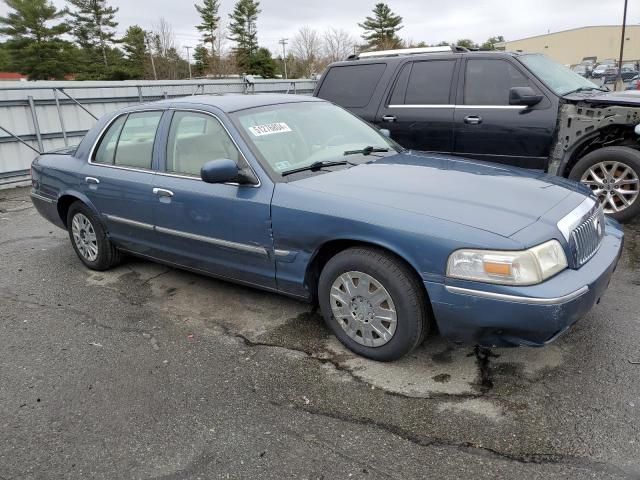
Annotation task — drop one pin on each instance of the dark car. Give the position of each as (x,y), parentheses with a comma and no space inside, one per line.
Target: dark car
(611,74)
(297,196)
(517,109)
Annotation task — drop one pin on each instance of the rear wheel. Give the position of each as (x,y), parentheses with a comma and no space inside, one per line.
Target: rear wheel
(373,303)
(613,175)
(89,239)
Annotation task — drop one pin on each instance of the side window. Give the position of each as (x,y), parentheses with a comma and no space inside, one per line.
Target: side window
(135,146)
(195,139)
(487,82)
(107,148)
(430,82)
(400,87)
(351,86)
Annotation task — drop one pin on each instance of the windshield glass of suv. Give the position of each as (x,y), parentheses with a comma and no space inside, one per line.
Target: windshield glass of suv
(555,76)
(295,135)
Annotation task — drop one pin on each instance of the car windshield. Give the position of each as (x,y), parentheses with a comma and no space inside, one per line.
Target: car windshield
(557,77)
(297,135)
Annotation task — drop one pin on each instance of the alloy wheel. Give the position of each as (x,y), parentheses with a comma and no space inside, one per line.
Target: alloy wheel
(84,237)
(363,308)
(614,183)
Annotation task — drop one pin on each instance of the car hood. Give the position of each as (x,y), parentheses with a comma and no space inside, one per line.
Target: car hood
(627,98)
(491,197)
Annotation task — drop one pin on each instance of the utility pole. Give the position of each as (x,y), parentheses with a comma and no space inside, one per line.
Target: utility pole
(153,63)
(283,42)
(189,61)
(619,86)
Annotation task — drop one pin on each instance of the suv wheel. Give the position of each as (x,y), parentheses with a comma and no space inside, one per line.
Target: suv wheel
(373,303)
(613,175)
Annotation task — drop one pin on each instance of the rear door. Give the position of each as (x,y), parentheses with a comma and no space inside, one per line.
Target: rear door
(487,127)
(119,176)
(419,110)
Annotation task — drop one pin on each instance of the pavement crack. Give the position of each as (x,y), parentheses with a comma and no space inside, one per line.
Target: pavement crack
(468,447)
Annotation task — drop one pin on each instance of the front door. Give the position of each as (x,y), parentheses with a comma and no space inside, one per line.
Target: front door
(419,110)
(119,177)
(222,229)
(487,127)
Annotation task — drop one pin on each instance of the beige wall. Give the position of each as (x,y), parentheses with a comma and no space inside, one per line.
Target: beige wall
(571,46)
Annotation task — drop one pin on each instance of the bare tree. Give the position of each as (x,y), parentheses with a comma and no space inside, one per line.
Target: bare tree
(163,37)
(306,46)
(338,44)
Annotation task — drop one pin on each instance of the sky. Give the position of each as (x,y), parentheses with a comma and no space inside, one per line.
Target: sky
(430,21)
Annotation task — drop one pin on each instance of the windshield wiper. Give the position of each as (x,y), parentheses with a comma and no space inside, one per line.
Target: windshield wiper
(366,151)
(587,89)
(315,166)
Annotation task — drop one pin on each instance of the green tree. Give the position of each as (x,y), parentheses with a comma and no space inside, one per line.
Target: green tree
(467,43)
(243,32)
(201,60)
(490,44)
(34,28)
(6,65)
(135,51)
(93,24)
(381,30)
(209,14)
(261,63)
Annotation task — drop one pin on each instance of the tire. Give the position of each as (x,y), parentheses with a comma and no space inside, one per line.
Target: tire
(611,197)
(92,246)
(402,298)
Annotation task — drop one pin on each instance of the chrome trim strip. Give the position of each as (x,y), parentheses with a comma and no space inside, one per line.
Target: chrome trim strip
(44,199)
(214,241)
(517,299)
(421,106)
(126,221)
(474,107)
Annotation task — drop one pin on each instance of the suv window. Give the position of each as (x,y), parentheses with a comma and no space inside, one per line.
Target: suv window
(195,139)
(351,86)
(135,145)
(487,82)
(430,82)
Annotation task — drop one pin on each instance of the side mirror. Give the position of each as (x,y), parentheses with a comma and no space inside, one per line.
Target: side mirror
(524,96)
(219,171)
(385,132)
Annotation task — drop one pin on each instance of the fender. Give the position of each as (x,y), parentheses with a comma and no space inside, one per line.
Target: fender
(70,192)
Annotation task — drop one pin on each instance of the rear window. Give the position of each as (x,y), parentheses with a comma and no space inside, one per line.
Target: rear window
(351,85)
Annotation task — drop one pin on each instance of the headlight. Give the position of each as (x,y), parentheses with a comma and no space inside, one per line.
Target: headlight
(526,267)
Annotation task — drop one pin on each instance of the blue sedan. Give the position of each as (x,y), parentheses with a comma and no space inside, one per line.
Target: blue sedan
(297,196)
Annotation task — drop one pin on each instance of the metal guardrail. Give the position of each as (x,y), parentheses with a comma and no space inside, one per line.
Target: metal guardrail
(64,108)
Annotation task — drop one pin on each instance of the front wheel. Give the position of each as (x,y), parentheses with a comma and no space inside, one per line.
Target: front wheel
(613,175)
(373,303)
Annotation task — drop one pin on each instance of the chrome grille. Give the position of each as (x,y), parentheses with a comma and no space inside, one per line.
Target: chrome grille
(586,237)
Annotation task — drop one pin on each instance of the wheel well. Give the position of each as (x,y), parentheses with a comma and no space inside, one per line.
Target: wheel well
(64,203)
(332,248)
(613,136)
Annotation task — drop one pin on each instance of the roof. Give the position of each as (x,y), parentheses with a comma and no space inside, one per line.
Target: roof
(502,44)
(11,76)
(234,102)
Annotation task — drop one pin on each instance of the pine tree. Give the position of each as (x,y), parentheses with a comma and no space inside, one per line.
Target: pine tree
(35,43)
(380,31)
(209,14)
(135,51)
(244,32)
(201,60)
(93,24)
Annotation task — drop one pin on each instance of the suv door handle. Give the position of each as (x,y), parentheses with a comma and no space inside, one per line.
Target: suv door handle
(473,120)
(389,118)
(161,192)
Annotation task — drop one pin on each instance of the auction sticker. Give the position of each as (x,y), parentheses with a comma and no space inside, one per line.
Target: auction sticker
(269,129)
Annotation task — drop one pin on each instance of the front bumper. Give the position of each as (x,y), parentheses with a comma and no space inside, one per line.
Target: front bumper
(499,316)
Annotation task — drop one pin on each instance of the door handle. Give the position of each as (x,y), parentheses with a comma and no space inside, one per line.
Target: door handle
(389,118)
(161,192)
(473,120)
(91,180)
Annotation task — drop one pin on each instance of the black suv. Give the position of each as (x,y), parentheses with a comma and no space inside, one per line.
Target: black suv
(517,109)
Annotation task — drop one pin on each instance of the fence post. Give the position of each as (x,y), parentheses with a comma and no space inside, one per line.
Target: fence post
(140,94)
(36,125)
(61,118)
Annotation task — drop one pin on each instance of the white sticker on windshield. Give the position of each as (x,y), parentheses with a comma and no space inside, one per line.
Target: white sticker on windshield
(283,165)
(269,129)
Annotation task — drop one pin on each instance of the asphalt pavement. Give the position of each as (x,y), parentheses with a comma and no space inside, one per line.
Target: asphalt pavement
(154,373)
